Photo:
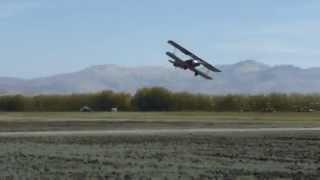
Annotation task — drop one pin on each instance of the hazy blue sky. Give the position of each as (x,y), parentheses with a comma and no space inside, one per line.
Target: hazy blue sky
(42,37)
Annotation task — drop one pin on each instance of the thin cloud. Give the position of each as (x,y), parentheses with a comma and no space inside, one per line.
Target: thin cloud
(10,9)
(301,28)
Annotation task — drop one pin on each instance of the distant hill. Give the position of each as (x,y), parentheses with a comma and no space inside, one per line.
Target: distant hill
(243,77)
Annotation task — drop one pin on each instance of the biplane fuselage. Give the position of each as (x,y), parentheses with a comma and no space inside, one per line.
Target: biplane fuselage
(190,64)
(187,64)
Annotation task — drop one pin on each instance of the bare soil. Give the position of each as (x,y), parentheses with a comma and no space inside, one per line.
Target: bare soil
(198,155)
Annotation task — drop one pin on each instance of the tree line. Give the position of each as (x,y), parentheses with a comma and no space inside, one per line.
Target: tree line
(161,99)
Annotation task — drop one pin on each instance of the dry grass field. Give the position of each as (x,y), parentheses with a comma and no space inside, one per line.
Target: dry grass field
(184,155)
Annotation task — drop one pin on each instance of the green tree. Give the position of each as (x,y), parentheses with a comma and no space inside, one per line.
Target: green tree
(153,99)
(103,101)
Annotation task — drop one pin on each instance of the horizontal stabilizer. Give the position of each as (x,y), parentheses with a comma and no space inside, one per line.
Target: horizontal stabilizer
(174,57)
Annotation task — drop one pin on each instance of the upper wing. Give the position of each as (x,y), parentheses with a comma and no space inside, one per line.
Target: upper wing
(201,73)
(187,52)
(182,49)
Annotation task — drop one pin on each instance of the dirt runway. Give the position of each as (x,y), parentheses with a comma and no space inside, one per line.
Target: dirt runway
(153,131)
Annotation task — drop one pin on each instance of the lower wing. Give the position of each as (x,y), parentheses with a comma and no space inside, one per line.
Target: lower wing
(204,75)
(208,66)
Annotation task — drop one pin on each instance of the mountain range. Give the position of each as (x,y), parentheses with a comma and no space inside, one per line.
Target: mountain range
(245,77)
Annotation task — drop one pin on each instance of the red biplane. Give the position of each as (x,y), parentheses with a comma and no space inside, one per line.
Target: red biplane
(190,64)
